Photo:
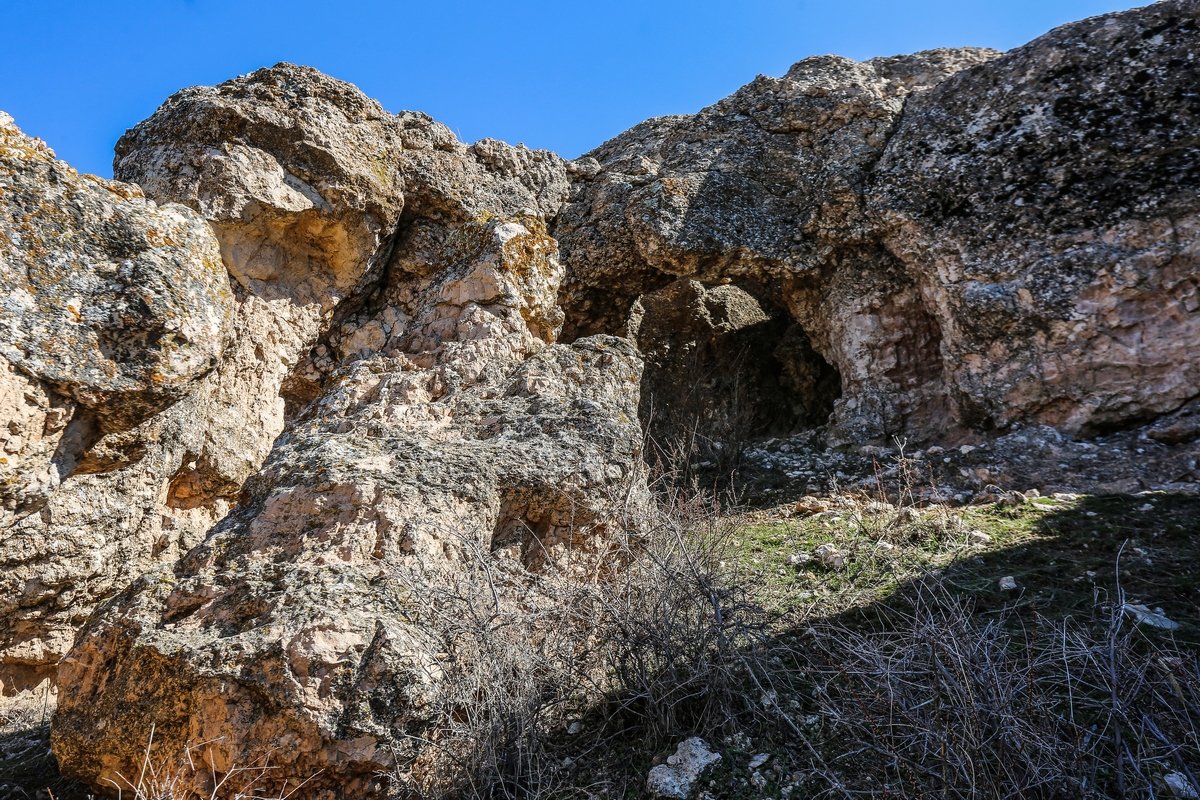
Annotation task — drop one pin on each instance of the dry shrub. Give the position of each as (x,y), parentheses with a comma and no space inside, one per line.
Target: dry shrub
(161,781)
(942,701)
(541,678)
(663,645)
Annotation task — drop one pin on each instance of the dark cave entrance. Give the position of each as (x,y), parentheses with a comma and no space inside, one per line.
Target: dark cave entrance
(724,366)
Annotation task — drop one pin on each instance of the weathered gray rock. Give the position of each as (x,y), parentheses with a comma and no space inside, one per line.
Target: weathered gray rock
(970,241)
(114,309)
(765,190)
(113,302)
(677,778)
(296,171)
(152,490)
(288,625)
(433,407)
(1046,207)
(303,180)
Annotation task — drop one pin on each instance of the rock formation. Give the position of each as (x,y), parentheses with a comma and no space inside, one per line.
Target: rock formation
(1047,212)
(114,309)
(335,345)
(437,407)
(765,190)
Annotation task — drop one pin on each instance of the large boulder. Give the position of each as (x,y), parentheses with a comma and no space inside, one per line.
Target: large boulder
(150,488)
(114,303)
(296,171)
(303,181)
(1046,207)
(397,308)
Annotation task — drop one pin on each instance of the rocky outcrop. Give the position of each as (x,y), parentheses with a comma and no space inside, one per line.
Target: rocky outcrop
(765,190)
(970,240)
(435,410)
(1046,209)
(119,308)
(114,309)
(289,623)
(337,347)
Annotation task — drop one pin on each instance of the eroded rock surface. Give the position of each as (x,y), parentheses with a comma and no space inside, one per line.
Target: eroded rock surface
(765,190)
(435,406)
(115,308)
(970,240)
(1046,208)
(289,624)
(991,253)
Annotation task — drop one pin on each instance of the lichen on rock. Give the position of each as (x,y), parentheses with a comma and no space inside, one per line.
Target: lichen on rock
(305,349)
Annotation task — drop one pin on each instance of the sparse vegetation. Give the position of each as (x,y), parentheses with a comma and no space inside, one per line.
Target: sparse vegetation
(902,670)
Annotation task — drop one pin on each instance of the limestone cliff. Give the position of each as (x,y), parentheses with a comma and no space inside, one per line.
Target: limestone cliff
(302,346)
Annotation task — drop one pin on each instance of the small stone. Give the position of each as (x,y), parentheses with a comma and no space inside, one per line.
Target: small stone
(759,760)
(978,537)
(1155,619)
(830,557)
(1180,786)
(677,777)
(1008,583)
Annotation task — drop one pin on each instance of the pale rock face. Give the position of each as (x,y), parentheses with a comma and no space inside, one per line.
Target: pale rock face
(435,406)
(765,190)
(112,301)
(115,308)
(1046,208)
(288,625)
(296,172)
(303,180)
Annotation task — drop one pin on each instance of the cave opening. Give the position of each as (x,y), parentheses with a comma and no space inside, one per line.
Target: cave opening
(725,366)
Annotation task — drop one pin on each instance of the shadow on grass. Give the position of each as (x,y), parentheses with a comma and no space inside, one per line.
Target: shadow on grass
(1077,556)
(953,685)
(28,770)
(1064,556)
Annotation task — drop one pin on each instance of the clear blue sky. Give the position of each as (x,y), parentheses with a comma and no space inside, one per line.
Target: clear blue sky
(564,75)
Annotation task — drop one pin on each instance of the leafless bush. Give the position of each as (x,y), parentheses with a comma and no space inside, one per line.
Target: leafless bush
(945,702)
(913,696)
(670,644)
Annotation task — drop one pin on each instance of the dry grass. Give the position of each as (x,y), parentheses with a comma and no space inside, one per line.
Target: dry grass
(943,701)
(521,663)
(904,673)
(885,678)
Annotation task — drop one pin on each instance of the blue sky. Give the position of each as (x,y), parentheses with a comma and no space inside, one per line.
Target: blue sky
(563,75)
